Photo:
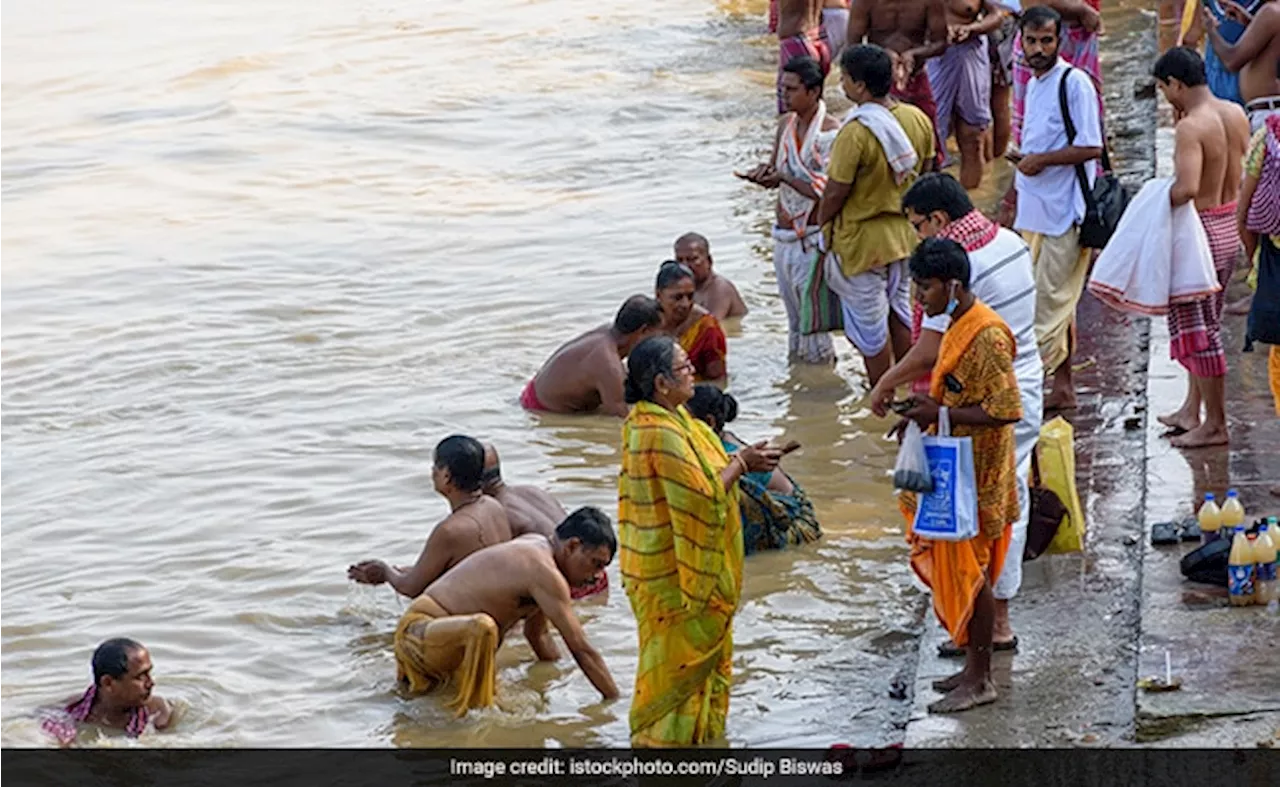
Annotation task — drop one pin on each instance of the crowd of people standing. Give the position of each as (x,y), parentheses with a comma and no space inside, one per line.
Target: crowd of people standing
(976,320)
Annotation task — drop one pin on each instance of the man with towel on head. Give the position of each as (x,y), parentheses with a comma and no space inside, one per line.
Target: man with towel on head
(878,153)
(1210,142)
(798,169)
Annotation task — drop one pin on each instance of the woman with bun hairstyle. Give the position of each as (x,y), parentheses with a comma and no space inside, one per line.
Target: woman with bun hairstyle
(680,549)
(776,513)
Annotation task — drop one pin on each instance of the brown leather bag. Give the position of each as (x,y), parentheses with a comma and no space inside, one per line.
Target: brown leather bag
(1047,513)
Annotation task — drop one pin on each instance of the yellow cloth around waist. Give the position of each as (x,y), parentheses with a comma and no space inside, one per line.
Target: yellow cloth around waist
(433,647)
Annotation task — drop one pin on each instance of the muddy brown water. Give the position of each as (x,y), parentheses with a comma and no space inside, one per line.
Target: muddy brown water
(257,262)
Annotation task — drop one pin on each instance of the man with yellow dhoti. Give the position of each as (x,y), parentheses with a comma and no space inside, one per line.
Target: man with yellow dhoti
(681,550)
(973,379)
(452,632)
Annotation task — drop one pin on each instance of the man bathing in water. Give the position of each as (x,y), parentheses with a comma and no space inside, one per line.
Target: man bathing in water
(961,83)
(912,31)
(476,521)
(120,698)
(453,631)
(586,375)
(530,510)
(1210,142)
(712,292)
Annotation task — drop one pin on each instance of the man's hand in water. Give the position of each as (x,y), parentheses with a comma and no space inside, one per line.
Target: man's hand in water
(369,572)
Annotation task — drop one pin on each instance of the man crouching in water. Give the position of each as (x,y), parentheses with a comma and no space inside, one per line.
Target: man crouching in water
(454,629)
(530,510)
(120,697)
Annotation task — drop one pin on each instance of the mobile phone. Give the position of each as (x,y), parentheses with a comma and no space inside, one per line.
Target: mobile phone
(902,407)
(789,447)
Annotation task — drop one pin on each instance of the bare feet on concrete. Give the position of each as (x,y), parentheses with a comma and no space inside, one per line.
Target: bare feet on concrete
(1180,421)
(945,685)
(1202,436)
(965,696)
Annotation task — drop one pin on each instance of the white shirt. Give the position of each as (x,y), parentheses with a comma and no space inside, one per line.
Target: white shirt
(1001,276)
(1042,199)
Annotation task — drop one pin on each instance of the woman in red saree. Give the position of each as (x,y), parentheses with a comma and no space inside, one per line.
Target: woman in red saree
(696,329)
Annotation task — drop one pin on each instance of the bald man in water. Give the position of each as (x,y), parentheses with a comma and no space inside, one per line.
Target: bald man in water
(531,510)
(586,375)
(712,291)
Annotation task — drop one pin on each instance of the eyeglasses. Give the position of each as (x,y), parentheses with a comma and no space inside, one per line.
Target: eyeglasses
(685,368)
(918,224)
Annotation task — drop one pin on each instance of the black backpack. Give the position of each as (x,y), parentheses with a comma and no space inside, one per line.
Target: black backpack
(1104,204)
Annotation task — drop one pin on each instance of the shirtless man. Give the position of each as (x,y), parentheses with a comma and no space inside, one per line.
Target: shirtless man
(913,31)
(120,697)
(961,83)
(586,375)
(800,34)
(1256,56)
(475,521)
(713,292)
(1210,141)
(453,631)
(835,25)
(529,509)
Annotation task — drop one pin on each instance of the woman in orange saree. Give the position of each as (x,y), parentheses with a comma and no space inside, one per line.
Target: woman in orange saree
(973,379)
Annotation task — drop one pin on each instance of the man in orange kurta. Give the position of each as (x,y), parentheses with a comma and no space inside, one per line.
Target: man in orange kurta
(974,380)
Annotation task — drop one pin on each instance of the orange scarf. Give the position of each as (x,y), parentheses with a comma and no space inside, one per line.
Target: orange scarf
(956,341)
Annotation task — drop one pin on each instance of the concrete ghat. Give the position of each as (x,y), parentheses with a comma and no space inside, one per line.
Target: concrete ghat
(1072,681)
(1227,658)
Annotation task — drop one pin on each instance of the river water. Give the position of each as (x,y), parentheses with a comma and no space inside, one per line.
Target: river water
(257,262)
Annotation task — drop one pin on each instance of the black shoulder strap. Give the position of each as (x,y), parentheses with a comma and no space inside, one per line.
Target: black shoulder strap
(1090,205)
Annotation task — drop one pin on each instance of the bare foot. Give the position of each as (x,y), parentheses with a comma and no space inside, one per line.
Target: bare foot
(1241,306)
(947,684)
(1180,421)
(966,696)
(1060,401)
(1200,437)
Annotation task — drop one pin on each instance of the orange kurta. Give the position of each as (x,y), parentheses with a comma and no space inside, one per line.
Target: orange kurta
(977,355)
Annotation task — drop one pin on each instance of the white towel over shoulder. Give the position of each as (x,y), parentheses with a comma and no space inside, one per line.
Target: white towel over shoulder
(1158,256)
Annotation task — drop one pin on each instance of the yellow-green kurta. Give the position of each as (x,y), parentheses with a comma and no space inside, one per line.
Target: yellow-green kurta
(680,553)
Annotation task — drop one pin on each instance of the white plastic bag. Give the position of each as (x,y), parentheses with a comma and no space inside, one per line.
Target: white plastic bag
(911,471)
(950,511)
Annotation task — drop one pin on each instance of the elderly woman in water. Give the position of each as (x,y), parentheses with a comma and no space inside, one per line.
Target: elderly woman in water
(680,549)
(776,513)
(697,329)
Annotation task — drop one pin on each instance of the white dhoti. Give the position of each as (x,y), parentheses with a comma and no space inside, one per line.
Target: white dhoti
(868,299)
(792,259)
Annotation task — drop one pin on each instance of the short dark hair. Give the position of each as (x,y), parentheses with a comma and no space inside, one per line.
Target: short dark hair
(650,358)
(709,400)
(938,191)
(694,239)
(589,525)
(1182,64)
(637,313)
(808,70)
(671,272)
(940,258)
(463,457)
(112,658)
(871,65)
(1039,16)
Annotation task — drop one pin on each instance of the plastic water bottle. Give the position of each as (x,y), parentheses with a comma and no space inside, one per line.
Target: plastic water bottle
(1264,566)
(1210,518)
(1232,511)
(1240,568)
